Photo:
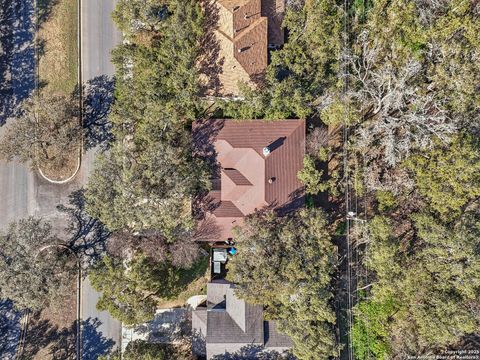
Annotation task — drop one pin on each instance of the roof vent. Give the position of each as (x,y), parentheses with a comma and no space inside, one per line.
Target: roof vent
(271,180)
(266,151)
(236,8)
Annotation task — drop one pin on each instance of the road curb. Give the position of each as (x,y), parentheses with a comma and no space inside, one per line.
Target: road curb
(59,182)
(80,87)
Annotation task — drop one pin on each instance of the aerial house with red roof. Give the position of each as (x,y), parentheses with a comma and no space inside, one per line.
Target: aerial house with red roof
(257,164)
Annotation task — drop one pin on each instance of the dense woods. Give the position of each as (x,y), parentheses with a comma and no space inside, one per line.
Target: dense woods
(404,77)
(414,93)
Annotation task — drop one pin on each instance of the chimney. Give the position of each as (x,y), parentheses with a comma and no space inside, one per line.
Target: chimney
(266,151)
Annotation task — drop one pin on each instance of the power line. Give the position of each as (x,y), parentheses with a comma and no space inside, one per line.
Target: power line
(347,182)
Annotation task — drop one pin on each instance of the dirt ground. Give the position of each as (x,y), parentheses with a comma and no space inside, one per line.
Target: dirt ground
(70,164)
(52,333)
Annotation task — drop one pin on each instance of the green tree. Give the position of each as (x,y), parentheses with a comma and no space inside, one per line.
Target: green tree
(128,288)
(137,15)
(286,265)
(148,178)
(386,200)
(371,336)
(311,177)
(131,288)
(433,280)
(143,350)
(454,68)
(303,70)
(33,279)
(449,177)
(150,190)
(447,270)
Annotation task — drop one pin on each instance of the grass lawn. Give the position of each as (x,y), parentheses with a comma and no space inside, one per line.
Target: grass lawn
(57,42)
(195,280)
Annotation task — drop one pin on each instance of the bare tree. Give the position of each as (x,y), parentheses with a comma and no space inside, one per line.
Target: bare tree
(399,113)
(46,132)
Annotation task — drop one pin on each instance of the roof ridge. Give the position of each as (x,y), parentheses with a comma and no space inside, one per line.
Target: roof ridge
(250,27)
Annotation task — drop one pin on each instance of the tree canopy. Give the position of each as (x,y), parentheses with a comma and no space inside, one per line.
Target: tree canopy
(46,132)
(30,277)
(413,130)
(127,289)
(303,70)
(286,265)
(148,178)
(449,177)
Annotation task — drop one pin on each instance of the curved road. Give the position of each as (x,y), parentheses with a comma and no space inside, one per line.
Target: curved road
(23,192)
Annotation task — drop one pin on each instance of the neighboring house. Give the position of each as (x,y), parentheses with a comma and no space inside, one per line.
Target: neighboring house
(258,163)
(245,29)
(227,324)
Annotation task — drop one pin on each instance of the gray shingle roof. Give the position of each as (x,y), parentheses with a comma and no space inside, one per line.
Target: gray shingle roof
(232,323)
(273,338)
(222,328)
(216,292)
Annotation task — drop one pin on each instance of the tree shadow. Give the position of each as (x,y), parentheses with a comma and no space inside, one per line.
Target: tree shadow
(88,235)
(210,64)
(42,334)
(199,344)
(296,200)
(17,56)
(9,329)
(166,327)
(94,343)
(97,100)
(17,52)
(204,133)
(64,346)
(45,9)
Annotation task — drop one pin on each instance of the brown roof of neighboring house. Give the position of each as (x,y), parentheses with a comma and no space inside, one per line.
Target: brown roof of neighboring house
(250,180)
(250,46)
(244,30)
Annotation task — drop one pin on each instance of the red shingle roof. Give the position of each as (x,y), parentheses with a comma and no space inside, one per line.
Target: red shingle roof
(249,179)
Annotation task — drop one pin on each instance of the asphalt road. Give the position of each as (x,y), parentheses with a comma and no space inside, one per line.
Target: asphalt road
(25,193)
(16,82)
(99,36)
